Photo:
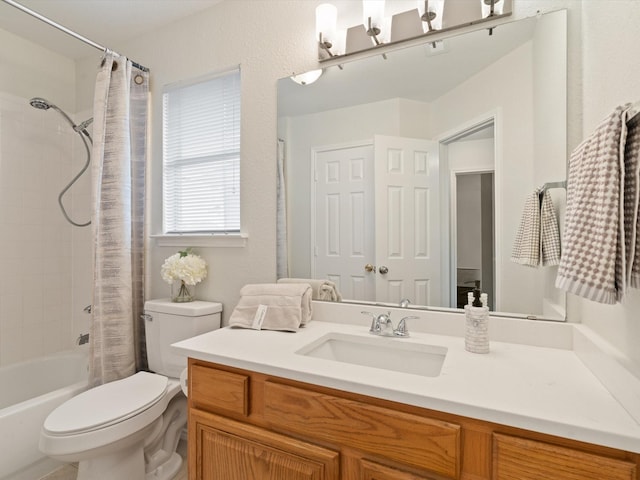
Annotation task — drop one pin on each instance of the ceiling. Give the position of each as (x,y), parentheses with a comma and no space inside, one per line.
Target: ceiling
(109,23)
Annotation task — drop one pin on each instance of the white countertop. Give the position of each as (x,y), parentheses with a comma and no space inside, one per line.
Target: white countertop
(543,389)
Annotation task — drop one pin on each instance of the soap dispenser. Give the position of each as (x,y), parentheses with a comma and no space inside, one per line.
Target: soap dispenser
(476,337)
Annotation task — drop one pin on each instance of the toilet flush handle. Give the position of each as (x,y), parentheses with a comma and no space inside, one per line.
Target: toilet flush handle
(146,317)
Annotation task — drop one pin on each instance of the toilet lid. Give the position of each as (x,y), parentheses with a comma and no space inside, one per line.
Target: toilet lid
(106,404)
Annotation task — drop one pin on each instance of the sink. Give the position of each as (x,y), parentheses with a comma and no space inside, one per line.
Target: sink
(387,353)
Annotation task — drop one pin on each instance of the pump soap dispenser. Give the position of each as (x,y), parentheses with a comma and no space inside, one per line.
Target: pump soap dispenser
(476,337)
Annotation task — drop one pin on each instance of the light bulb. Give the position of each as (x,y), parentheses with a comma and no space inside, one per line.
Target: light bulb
(326,20)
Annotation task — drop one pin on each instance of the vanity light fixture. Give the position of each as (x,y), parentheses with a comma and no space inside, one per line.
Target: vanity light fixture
(373,18)
(431,13)
(326,21)
(307,78)
(425,20)
(491,8)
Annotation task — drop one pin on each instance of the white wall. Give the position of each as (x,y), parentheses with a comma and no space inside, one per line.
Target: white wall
(274,39)
(35,163)
(611,56)
(505,89)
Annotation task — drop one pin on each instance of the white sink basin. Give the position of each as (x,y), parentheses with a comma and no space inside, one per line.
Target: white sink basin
(387,353)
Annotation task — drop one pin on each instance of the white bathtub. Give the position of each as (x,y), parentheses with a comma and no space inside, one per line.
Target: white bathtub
(29,391)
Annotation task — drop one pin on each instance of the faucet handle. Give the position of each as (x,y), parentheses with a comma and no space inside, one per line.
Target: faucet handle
(375,325)
(403,330)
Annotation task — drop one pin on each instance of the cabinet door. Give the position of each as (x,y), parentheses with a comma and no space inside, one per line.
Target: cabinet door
(228,450)
(374,471)
(520,459)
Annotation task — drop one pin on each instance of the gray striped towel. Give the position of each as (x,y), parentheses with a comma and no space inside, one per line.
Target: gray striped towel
(538,239)
(594,261)
(549,232)
(630,141)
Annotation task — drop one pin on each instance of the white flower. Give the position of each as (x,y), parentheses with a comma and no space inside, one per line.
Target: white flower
(185,266)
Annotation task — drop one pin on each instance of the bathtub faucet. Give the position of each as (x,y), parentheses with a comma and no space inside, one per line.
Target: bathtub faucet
(83,338)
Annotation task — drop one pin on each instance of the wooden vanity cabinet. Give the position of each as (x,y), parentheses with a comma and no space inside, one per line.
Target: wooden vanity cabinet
(245,425)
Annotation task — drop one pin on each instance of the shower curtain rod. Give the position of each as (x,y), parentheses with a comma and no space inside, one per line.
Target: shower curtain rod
(48,21)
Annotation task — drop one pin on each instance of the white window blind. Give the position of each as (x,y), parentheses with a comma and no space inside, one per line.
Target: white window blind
(201,156)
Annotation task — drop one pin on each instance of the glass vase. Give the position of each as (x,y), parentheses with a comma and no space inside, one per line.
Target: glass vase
(182,293)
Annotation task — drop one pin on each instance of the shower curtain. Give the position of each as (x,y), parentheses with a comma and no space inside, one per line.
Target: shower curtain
(118,175)
(282,254)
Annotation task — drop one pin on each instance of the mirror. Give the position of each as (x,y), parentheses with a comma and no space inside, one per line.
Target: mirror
(406,177)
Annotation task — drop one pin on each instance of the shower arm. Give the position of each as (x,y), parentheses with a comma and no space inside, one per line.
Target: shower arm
(78,175)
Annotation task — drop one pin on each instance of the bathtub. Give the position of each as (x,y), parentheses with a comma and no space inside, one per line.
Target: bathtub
(29,391)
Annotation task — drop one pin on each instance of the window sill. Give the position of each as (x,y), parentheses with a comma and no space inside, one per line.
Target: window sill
(234,240)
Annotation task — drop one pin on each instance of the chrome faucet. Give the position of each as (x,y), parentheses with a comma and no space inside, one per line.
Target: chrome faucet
(383,326)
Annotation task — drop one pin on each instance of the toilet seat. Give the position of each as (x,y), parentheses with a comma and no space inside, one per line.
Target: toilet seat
(106,405)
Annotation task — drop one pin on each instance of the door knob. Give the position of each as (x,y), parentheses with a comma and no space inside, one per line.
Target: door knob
(370,268)
(383,270)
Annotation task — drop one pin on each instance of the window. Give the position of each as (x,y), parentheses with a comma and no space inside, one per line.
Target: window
(201,156)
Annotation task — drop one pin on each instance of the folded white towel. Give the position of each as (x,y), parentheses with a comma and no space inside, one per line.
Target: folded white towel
(271,306)
(321,289)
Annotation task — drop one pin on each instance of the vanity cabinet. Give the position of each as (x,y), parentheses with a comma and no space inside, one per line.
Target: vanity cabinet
(246,425)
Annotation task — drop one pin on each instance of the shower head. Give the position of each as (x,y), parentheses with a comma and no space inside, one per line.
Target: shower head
(40,103)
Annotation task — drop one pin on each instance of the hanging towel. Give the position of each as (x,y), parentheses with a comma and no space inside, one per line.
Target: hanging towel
(593,263)
(549,232)
(526,248)
(538,239)
(630,141)
(272,306)
(321,289)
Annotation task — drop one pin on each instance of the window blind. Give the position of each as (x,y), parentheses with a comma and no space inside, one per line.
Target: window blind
(201,156)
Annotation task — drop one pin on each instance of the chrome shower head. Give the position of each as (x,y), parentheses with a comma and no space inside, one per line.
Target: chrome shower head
(40,103)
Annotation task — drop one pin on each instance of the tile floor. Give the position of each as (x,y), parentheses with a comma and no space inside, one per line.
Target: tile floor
(70,472)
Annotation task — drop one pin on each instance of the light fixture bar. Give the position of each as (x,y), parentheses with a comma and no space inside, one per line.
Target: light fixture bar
(391,44)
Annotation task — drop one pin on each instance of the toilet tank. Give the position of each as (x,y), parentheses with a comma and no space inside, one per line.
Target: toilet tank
(167,322)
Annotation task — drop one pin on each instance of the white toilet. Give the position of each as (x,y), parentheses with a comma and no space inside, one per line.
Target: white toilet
(129,429)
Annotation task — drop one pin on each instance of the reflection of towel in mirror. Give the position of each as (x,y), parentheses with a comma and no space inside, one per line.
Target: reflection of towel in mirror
(538,239)
(321,289)
(271,306)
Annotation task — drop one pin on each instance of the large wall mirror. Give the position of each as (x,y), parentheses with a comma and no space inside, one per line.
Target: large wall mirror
(406,176)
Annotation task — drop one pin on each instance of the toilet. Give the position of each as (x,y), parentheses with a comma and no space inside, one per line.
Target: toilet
(129,429)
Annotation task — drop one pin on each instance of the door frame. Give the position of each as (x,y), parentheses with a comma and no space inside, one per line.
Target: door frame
(482,121)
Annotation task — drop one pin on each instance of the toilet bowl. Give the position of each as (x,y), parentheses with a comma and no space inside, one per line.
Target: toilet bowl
(129,429)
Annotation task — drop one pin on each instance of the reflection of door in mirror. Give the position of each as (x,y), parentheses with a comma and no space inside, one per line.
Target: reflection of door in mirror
(407,213)
(396,235)
(343,220)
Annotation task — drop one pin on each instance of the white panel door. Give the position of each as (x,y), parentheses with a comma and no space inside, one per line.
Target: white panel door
(344,232)
(407,219)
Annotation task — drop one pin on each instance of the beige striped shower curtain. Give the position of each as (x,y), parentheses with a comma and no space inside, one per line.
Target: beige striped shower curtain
(118,176)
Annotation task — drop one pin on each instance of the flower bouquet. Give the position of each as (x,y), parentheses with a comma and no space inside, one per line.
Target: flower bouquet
(189,268)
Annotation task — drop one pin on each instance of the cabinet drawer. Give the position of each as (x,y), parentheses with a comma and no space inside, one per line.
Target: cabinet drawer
(230,450)
(374,471)
(520,459)
(218,391)
(410,439)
